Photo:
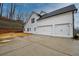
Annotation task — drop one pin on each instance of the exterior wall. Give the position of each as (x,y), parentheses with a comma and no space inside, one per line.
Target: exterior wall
(61,19)
(31,25)
(50,24)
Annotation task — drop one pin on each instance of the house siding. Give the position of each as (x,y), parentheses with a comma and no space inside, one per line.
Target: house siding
(65,18)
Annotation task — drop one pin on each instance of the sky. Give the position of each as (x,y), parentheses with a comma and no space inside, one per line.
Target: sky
(38,7)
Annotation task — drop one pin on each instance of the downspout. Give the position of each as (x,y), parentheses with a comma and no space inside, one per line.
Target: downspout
(73,23)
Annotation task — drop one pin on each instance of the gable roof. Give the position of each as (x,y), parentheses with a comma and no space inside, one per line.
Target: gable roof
(59,11)
(31,15)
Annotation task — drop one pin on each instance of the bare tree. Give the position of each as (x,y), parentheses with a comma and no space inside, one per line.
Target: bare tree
(19,16)
(1,9)
(12,10)
(22,16)
(7,12)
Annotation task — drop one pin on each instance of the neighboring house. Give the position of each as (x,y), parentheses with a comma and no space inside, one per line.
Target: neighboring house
(59,23)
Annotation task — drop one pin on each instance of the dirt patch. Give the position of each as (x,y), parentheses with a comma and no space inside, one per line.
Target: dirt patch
(8,36)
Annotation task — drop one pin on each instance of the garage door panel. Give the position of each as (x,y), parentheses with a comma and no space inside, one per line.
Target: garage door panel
(44,30)
(62,30)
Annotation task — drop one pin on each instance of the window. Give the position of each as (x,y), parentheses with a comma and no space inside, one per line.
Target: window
(32,20)
(27,29)
(30,29)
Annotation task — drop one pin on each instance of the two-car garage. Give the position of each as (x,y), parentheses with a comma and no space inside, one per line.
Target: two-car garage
(54,30)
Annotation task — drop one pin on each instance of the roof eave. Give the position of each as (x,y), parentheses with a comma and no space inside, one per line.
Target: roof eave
(57,14)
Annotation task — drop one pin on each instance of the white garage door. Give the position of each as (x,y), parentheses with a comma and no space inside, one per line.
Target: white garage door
(46,30)
(62,30)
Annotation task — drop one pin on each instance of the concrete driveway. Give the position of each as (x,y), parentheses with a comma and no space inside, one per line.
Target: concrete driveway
(38,45)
